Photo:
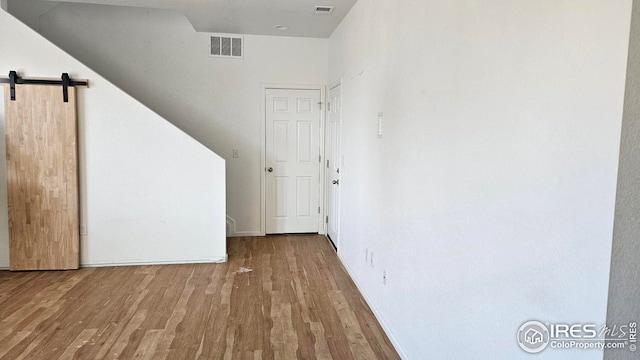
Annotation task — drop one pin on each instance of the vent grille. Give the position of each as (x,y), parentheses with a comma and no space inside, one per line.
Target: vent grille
(324,10)
(225,45)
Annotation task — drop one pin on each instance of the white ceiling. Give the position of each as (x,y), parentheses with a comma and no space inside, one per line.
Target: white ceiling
(257,17)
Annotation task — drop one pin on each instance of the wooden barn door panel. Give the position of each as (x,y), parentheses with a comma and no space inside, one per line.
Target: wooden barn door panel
(42,178)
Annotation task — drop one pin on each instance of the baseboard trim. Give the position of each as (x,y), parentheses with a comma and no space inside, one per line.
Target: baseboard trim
(246,233)
(107,263)
(375,310)
(143,263)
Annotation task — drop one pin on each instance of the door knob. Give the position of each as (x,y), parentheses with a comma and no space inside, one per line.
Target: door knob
(336,182)
(270,169)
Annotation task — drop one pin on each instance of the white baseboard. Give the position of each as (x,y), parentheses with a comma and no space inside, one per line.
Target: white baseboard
(375,311)
(142,263)
(246,233)
(105,263)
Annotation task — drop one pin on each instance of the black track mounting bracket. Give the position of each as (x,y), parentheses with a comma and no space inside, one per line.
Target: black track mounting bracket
(13,76)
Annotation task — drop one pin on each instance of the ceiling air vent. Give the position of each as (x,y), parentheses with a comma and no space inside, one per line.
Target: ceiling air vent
(228,46)
(324,10)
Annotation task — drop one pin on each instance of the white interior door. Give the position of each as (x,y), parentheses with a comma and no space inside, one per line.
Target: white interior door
(292,161)
(332,147)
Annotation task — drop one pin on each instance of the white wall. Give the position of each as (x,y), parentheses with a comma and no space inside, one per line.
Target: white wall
(149,192)
(490,199)
(158,58)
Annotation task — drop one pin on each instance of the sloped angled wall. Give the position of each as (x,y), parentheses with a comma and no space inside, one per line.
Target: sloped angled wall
(149,192)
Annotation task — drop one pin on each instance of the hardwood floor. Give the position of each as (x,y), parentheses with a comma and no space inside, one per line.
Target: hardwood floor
(296,302)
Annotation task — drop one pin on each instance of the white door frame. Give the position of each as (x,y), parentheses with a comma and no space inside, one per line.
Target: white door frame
(263,152)
(325,178)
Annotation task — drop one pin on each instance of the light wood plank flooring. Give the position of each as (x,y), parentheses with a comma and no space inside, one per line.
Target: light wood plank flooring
(297,302)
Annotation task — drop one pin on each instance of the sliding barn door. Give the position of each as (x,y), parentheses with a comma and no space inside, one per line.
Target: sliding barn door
(42,178)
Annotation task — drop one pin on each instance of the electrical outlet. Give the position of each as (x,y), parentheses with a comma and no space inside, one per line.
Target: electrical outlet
(83,229)
(371,259)
(384,277)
